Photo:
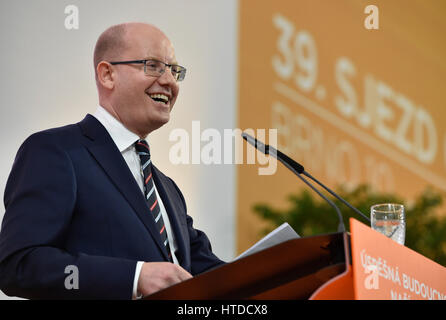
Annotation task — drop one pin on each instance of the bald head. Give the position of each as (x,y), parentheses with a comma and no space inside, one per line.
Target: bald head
(112,43)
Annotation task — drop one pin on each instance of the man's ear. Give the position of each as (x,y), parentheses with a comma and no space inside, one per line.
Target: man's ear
(106,74)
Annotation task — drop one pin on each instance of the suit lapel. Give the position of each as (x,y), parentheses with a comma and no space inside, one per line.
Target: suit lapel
(104,150)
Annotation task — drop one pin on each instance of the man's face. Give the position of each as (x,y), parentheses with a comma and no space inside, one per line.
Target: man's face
(133,93)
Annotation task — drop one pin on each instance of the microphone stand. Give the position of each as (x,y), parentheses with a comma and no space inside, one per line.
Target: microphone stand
(299,170)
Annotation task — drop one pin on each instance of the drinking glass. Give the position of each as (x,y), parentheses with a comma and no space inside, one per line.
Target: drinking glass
(389,219)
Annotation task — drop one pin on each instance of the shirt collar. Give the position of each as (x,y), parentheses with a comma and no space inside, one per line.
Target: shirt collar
(121,136)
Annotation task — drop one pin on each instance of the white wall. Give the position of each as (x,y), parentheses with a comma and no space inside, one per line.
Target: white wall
(48,80)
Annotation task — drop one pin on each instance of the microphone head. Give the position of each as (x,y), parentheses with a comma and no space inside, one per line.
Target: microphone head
(256,143)
(247,137)
(266,149)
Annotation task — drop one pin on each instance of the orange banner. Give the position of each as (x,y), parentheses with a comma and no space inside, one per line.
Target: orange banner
(386,270)
(351,103)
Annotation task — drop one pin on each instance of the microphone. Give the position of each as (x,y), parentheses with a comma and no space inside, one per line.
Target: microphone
(298,169)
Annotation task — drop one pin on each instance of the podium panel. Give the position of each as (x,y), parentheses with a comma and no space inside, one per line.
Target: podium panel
(384,269)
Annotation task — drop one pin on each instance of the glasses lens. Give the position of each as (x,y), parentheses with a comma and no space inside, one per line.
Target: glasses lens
(179,72)
(155,68)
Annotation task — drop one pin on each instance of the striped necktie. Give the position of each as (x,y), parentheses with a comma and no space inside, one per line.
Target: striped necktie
(143,150)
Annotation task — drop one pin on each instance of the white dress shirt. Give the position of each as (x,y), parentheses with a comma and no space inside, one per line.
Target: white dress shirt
(124,140)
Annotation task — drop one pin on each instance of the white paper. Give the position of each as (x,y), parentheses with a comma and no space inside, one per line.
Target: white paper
(281,234)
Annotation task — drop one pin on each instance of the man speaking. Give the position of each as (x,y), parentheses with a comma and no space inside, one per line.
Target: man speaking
(87,196)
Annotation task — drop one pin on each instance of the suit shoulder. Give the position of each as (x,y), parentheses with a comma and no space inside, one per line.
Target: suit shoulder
(53,136)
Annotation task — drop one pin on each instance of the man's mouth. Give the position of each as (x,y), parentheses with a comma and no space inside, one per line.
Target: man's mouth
(159,97)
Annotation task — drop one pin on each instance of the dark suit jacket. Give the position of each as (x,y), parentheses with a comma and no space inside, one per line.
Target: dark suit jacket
(71,200)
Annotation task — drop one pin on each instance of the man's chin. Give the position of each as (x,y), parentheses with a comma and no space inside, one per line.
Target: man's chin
(159,122)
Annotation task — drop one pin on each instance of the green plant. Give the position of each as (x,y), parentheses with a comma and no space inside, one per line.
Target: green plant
(308,215)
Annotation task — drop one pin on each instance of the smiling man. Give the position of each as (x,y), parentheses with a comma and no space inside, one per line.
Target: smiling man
(87,196)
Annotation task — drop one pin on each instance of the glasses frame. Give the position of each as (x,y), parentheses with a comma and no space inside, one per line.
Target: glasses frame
(181,74)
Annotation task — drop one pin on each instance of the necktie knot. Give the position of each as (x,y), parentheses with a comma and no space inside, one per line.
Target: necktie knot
(142,148)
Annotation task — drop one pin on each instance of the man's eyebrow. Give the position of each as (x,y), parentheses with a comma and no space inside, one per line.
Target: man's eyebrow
(153,58)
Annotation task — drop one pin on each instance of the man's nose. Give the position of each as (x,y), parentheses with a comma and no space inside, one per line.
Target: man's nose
(167,77)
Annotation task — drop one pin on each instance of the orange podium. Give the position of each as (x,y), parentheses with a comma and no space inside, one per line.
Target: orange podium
(362,265)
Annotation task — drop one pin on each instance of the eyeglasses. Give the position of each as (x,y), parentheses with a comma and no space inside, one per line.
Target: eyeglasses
(157,68)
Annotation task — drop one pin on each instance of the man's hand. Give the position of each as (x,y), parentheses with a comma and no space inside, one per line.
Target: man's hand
(155,276)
